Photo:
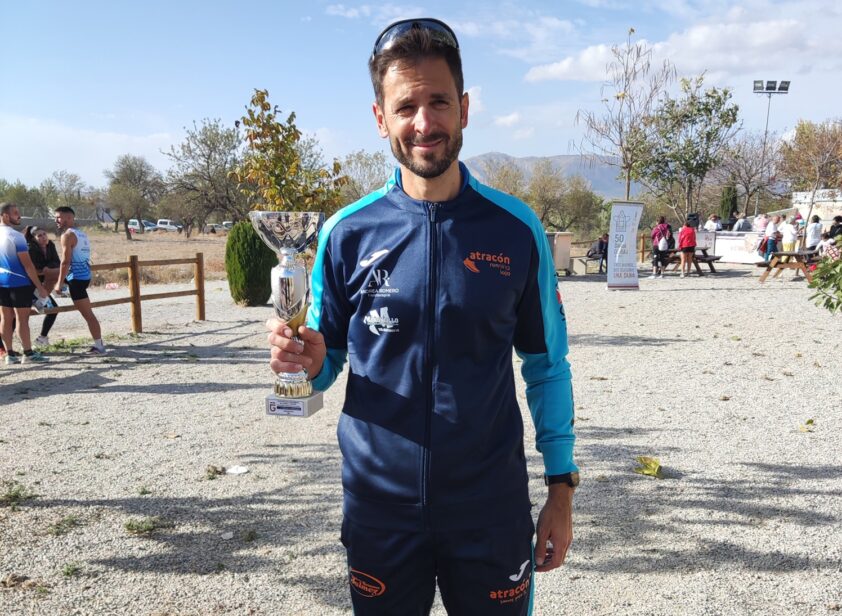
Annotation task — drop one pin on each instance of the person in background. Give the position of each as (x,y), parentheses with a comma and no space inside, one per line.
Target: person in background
(687,246)
(836,228)
(772,236)
(823,244)
(45,258)
(713,223)
(76,268)
(18,282)
(760,223)
(599,250)
(742,225)
(660,247)
(813,235)
(789,235)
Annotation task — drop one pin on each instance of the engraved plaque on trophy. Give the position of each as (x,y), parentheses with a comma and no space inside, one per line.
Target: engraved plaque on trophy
(288,234)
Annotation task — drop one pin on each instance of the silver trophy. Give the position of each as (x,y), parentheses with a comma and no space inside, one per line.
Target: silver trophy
(289,233)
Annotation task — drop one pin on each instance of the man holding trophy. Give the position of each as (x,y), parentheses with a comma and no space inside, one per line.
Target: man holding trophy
(426,286)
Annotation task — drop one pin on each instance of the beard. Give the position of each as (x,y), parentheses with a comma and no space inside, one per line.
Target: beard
(429,167)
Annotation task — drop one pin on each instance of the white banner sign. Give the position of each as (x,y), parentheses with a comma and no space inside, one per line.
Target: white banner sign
(622,245)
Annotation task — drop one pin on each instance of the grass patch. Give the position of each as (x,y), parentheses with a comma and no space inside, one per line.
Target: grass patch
(145,526)
(144,491)
(68,345)
(212,472)
(70,569)
(64,525)
(13,493)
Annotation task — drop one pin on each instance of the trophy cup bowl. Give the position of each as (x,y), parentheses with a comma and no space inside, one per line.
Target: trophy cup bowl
(288,234)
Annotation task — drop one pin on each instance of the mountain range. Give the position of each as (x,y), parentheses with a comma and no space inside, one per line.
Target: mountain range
(602,176)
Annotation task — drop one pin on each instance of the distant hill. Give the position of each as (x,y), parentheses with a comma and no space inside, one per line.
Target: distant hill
(601,176)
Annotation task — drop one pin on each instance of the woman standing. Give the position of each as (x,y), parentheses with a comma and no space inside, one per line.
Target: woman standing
(687,246)
(45,258)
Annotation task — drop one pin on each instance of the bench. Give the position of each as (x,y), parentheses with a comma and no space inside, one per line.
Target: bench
(579,265)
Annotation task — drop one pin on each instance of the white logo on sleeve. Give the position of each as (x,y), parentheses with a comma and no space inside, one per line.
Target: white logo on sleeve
(519,574)
(374,256)
(381,322)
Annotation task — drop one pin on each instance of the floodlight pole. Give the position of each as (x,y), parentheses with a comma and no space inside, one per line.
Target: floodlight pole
(769,89)
(763,156)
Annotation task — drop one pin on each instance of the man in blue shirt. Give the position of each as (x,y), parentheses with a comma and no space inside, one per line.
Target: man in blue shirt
(426,286)
(18,284)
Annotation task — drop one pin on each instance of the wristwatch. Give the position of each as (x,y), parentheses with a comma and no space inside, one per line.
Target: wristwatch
(571,479)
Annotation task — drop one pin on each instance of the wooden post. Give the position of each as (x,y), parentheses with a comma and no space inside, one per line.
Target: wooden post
(134,293)
(199,281)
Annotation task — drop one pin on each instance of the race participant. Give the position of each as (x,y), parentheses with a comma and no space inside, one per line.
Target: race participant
(430,282)
(18,283)
(76,269)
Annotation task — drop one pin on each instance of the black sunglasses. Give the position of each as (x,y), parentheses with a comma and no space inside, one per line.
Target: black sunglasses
(440,31)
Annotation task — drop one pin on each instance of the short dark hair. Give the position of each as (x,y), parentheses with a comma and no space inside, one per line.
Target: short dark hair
(65,209)
(662,219)
(416,45)
(837,219)
(816,218)
(6,207)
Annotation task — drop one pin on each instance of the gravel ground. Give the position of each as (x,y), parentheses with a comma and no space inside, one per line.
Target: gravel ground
(715,376)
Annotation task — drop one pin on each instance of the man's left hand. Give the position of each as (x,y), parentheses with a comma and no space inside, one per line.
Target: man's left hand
(555,524)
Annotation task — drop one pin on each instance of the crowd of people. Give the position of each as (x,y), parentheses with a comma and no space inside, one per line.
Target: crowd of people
(31,268)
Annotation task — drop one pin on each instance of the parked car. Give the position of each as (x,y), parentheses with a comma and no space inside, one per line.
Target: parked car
(166,224)
(228,224)
(215,227)
(141,226)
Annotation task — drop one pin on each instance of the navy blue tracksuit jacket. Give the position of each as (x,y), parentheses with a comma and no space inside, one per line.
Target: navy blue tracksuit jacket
(426,301)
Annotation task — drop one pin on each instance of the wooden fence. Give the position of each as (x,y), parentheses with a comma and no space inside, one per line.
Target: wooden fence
(135,298)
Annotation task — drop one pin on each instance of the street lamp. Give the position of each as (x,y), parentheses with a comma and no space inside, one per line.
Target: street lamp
(768,88)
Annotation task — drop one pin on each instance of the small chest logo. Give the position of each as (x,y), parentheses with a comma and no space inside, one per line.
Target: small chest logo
(381,322)
(379,284)
(476,261)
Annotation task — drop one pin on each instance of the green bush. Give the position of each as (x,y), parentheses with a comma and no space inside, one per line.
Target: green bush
(248,263)
(827,281)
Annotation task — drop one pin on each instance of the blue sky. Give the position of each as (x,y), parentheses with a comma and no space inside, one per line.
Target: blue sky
(84,82)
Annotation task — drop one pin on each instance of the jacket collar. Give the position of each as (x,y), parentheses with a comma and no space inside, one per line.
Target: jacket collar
(403,201)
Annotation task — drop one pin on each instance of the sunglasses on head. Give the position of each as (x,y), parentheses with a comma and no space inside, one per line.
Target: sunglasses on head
(439,30)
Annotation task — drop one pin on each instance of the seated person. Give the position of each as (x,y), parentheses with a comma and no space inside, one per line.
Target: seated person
(45,258)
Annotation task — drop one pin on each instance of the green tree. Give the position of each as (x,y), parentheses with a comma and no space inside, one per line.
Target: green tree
(685,141)
(812,159)
(827,281)
(727,201)
(30,201)
(67,188)
(272,173)
(364,173)
(508,177)
(618,136)
(248,264)
(748,162)
(200,182)
(139,187)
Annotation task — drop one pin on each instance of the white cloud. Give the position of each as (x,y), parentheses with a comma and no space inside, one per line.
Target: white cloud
(33,148)
(475,100)
(735,43)
(379,14)
(527,35)
(507,120)
(524,133)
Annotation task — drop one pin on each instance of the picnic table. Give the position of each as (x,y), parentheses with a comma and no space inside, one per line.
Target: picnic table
(701,256)
(797,260)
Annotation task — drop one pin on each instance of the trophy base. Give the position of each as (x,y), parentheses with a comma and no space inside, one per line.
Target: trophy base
(293,407)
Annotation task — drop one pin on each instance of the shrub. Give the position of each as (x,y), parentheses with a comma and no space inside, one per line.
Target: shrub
(248,263)
(827,281)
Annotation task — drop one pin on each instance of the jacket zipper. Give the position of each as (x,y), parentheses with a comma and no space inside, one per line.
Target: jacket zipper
(432,208)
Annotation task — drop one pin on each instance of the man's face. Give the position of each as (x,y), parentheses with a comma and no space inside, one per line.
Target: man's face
(423,116)
(12,217)
(63,220)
